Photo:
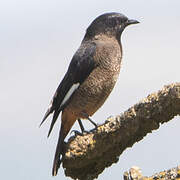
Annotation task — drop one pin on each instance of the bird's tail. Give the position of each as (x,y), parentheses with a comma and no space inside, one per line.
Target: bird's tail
(59,152)
(67,122)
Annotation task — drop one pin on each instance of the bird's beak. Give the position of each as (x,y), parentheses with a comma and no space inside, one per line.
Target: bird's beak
(131,21)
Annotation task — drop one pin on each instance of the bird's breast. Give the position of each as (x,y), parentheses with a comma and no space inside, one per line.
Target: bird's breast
(93,92)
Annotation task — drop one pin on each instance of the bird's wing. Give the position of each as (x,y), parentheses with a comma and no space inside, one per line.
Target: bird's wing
(80,67)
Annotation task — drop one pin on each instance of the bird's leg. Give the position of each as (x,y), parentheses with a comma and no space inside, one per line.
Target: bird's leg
(81,125)
(87,116)
(82,129)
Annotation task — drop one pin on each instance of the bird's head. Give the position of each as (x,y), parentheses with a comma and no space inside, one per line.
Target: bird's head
(110,24)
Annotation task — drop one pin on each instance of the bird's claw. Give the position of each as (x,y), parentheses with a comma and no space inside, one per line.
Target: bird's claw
(79,133)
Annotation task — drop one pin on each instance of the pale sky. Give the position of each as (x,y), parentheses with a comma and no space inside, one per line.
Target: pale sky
(37,41)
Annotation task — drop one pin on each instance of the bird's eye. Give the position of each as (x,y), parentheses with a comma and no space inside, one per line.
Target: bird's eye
(126,21)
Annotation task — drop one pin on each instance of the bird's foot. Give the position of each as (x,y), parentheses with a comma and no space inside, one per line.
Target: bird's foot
(79,133)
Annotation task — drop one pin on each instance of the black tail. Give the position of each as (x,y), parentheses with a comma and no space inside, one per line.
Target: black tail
(59,152)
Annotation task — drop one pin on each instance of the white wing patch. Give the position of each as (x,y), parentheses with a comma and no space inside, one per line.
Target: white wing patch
(69,93)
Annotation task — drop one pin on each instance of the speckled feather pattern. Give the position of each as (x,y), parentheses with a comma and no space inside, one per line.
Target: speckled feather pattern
(93,92)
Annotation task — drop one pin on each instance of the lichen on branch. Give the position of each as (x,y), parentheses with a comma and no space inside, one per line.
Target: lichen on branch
(88,155)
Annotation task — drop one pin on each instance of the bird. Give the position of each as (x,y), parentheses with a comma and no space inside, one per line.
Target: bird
(90,78)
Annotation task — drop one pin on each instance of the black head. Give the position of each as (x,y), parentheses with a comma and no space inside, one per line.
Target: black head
(111,24)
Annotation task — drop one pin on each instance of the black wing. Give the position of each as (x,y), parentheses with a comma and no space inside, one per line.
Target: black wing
(80,67)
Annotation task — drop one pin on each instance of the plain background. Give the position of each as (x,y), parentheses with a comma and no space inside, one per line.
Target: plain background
(37,41)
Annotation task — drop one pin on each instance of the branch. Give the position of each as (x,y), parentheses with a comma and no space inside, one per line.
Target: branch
(88,155)
(136,174)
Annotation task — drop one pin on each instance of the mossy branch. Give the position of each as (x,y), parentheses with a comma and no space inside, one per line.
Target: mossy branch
(87,156)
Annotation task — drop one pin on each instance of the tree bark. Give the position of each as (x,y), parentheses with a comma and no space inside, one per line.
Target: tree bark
(88,155)
(135,174)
